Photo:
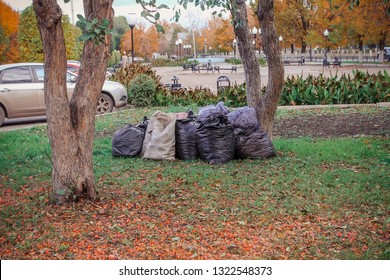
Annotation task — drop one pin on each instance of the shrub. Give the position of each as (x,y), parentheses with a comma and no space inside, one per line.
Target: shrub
(184,97)
(125,74)
(361,88)
(141,90)
(233,60)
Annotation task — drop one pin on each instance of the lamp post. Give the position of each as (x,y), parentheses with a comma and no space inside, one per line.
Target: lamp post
(234,47)
(131,21)
(205,46)
(280,40)
(326,34)
(179,42)
(254,33)
(325,61)
(177,49)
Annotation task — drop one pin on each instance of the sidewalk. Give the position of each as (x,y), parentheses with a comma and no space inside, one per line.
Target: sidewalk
(209,80)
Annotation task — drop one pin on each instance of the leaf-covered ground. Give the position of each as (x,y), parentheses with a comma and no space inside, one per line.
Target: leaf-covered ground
(319,123)
(318,199)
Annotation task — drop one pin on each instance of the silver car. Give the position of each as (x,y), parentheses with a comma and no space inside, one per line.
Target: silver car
(22,92)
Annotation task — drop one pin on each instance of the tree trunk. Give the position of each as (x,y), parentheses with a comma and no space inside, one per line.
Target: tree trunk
(71,124)
(269,101)
(304,46)
(247,52)
(267,104)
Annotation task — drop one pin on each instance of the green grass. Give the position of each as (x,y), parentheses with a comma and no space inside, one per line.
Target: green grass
(334,189)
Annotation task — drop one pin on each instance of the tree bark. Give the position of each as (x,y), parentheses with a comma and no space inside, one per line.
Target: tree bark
(247,53)
(266,104)
(269,101)
(71,123)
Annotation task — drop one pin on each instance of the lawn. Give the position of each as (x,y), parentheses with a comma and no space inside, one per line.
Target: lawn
(319,198)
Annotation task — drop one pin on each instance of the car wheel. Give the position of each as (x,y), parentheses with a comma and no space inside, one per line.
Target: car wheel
(105,104)
(2,116)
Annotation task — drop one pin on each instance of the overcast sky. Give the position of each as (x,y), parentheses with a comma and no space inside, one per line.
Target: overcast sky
(123,7)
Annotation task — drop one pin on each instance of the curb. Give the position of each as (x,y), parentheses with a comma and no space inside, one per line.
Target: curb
(336,106)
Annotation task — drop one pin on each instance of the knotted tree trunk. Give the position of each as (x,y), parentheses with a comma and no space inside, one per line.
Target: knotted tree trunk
(266,104)
(71,123)
(269,101)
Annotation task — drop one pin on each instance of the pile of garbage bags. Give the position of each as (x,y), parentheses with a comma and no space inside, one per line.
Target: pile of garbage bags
(215,135)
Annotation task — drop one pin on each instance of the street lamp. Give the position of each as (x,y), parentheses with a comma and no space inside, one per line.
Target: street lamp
(326,34)
(280,40)
(325,61)
(178,43)
(254,33)
(131,21)
(234,47)
(177,49)
(205,46)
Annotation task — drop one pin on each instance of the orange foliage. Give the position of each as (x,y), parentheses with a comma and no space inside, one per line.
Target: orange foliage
(219,35)
(145,41)
(9,22)
(9,19)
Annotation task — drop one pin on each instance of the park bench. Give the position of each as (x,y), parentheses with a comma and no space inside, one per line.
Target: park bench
(187,66)
(335,63)
(300,61)
(202,68)
(232,69)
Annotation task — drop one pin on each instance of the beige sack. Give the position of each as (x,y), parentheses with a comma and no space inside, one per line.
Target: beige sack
(159,140)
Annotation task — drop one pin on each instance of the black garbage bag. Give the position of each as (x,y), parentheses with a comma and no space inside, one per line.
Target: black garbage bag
(128,140)
(213,113)
(244,120)
(256,145)
(250,141)
(185,133)
(214,134)
(215,142)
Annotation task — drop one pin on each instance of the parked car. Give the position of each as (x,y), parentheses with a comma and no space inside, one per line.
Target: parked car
(22,91)
(74,68)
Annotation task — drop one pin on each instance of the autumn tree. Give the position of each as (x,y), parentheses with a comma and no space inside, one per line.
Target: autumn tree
(71,122)
(219,35)
(293,20)
(30,44)
(145,41)
(9,21)
(366,23)
(119,29)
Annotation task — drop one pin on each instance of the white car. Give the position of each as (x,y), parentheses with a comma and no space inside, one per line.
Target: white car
(22,91)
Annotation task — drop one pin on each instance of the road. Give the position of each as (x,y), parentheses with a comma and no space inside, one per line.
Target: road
(22,123)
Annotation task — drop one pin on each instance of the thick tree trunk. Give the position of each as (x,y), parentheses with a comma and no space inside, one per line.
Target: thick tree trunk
(71,124)
(267,104)
(272,50)
(247,53)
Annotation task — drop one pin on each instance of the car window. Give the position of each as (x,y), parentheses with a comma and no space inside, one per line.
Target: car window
(72,69)
(40,72)
(16,75)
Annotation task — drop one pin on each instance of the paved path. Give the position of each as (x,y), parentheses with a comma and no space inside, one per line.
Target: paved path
(209,80)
